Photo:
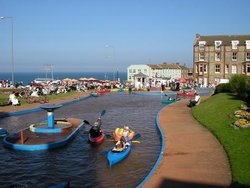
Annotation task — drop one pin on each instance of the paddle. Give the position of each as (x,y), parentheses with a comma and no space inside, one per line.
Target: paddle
(86,122)
(136,136)
(102,113)
(133,140)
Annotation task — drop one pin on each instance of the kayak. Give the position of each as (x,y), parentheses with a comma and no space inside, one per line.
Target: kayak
(115,157)
(96,135)
(3,132)
(185,95)
(97,139)
(117,134)
(94,94)
(167,101)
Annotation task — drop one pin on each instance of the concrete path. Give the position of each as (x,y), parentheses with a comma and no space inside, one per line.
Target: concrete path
(193,157)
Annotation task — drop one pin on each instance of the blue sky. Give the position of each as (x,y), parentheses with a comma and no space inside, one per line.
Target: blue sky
(110,35)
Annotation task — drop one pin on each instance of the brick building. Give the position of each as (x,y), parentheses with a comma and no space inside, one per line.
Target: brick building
(218,57)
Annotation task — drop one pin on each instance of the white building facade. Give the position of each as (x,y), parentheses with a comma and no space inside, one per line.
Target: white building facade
(155,74)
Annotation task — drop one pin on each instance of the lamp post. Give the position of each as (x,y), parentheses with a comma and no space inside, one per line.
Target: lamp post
(114,59)
(12,50)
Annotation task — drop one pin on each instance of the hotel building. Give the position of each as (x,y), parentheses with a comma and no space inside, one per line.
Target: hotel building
(217,58)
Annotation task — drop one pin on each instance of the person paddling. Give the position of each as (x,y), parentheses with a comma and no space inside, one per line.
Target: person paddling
(96,128)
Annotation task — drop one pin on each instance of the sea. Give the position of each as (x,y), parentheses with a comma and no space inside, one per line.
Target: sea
(27,77)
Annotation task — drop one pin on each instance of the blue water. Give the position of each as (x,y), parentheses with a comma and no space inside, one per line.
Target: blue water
(79,162)
(27,77)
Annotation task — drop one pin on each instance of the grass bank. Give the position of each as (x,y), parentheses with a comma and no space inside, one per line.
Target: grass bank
(216,114)
(4,97)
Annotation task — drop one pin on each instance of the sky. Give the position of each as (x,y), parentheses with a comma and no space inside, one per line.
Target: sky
(110,35)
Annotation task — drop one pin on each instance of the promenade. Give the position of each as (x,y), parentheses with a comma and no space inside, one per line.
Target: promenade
(193,157)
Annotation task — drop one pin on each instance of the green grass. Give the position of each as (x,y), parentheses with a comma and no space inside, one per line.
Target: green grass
(4,97)
(216,114)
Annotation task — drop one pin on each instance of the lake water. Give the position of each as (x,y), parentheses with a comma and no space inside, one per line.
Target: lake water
(80,163)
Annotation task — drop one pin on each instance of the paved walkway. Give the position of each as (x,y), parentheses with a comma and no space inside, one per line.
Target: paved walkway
(193,157)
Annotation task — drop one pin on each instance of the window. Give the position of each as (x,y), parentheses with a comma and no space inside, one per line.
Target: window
(145,70)
(226,69)
(134,71)
(234,69)
(139,70)
(217,56)
(248,69)
(247,44)
(130,70)
(243,69)
(217,45)
(235,44)
(205,68)
(202,45)
(201,56)
(248,56)
(234,56)
(217,68)
(202,68)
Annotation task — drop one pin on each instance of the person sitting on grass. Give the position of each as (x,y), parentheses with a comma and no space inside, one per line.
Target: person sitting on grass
(13,99)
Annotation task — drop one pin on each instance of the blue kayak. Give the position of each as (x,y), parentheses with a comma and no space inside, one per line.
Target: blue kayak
(115,157)
(167,101)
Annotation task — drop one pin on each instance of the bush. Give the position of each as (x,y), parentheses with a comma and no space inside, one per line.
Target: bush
(240,84)
(223,88)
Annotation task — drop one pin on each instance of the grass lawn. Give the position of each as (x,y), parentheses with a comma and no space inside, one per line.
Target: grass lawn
(216,114)
(4,97)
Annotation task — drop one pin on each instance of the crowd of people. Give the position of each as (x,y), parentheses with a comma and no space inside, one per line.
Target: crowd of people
(54,87)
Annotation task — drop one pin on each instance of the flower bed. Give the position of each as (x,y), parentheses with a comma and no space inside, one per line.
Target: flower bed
(244,119)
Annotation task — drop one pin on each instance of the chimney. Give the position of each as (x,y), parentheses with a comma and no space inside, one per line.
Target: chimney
(197,35)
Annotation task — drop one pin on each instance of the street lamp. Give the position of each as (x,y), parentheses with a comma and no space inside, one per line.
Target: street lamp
(12,50)
(114,59)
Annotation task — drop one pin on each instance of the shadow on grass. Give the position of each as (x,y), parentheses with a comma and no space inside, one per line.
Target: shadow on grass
(170,183)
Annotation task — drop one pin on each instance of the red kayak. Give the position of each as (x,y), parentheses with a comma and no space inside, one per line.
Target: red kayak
(94,139)
(96,135)
(186,95)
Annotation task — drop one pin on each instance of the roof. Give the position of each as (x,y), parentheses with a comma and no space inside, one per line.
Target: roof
(226,39)
(165,66)
(140,74)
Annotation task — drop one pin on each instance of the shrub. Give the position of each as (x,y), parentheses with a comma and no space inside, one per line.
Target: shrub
(223,88)
(240,84)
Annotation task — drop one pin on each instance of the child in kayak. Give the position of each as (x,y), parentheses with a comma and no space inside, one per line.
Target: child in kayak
(121,145)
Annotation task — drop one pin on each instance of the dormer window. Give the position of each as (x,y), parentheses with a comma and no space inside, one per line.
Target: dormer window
(247,44)
(217,44)
(202,45)
(235,44)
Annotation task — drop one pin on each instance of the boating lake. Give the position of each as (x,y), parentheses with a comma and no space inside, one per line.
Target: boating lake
(79,162)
